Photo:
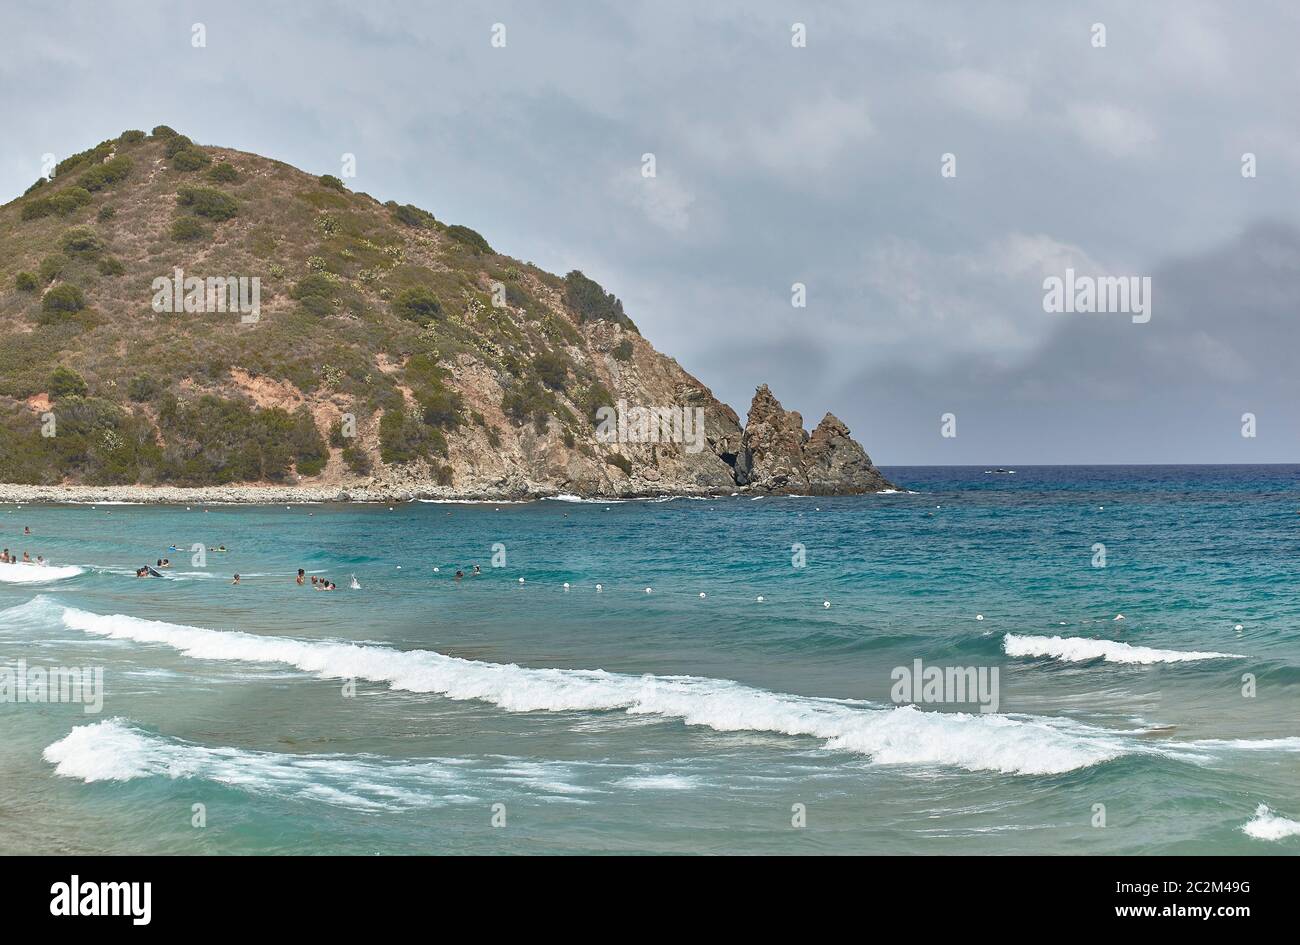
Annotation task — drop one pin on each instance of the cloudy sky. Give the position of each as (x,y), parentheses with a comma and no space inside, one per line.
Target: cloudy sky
(778,164)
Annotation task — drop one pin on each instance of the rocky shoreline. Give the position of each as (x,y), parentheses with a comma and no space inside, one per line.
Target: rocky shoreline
(11,494)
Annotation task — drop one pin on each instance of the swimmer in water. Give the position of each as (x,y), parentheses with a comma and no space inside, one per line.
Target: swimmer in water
(459,574)
(27,559)
(236,580)
(40,560)
(300,577)
(477,571)
(313,580)
(26,530)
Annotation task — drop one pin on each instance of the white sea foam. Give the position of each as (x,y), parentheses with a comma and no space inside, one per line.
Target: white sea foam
(116,750)
(897,735)
(659,782)
(1266,825)
(1080,649)
(23,573)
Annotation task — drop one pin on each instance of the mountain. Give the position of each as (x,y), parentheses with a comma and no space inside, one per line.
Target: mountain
(186,315)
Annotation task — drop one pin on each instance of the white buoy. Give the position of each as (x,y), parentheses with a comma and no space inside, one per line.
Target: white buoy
(702,594)
(1119,616)
(647,590)
(826,603)
(566,585)
(435,570)
(759,598)
(390,508)
(1238,628)
(521,580)
(979,616)
(599,588)
(399,567)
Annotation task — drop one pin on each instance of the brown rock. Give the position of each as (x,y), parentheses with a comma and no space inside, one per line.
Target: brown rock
(777,455)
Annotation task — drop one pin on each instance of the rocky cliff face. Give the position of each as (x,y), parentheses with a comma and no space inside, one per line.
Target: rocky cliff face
(390,352)
(778,455)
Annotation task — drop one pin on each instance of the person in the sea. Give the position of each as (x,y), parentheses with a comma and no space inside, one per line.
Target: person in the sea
(459,574)
(141,572)
(40,559)
(313,582)
(27,530)
(166,563)
(4,557)
(301,574)
(477,571)
(27,558)
(236,580)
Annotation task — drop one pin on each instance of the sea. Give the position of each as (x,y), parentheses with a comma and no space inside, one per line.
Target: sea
(1041,660)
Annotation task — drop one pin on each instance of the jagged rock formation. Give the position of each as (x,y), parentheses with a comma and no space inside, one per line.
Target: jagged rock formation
(391,353)
(778,455)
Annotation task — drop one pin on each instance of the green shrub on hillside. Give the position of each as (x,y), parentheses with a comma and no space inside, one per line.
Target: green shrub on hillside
(110,266)
(63,203)
(441,406)
(65,381)
(623,350)
(142,388)
(90,156)
(417,304)
(223,173)
(40,182)
(315,293)
(102,175)
(552,368)
(81,241)
(591,302)
(412,215)
(97,443)
(176,144)
(526,400)
(329,180)
(25,282)
(105,214)
(188,229)
(473,240)
(357,459)
(214,440)
(403,439)
(64,299)
(190,159)
(206,202)
(131,137)
(52,267)
(310,451)
(163,131)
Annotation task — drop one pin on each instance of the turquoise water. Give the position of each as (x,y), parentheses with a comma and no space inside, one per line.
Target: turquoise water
(408,715)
